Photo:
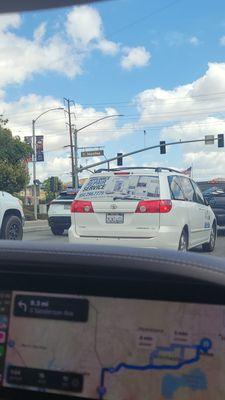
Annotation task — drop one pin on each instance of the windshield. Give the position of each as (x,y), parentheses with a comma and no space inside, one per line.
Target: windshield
(112,125)
(112,128)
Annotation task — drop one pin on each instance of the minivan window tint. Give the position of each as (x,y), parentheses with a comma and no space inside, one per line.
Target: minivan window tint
(104,188)
(198,194)
(176,188)
(188,189)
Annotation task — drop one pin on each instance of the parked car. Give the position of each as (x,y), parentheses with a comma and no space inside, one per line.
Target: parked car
(11,217)
(144,207)
(215,196)
(59,218)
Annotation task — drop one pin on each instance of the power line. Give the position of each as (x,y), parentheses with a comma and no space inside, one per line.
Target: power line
(187,97)
(126,103)
(157,128)
(166,114)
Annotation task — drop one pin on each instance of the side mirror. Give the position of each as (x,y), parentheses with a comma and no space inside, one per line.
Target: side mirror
(206,202)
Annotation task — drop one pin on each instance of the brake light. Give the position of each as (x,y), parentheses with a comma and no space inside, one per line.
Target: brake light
(122,173)
(81,206)
(154,206)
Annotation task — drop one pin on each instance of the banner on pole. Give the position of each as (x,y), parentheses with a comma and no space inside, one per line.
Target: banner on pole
(39,148)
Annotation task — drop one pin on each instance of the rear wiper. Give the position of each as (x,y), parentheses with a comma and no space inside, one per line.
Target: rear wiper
(126,198)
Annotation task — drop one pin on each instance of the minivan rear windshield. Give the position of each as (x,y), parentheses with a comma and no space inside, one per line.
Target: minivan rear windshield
(119,187)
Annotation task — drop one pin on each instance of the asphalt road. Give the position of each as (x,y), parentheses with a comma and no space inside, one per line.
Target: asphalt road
(39,231)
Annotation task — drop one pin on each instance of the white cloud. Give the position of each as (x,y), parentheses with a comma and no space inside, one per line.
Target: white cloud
(108,47)
(56,166)
(194,40)
(21,58)
(208,161)
(10,21)
(203,97)
(222,41)
(63,53)
(206,165)
(84,25)
(135,57)
(194,129)
(188,112)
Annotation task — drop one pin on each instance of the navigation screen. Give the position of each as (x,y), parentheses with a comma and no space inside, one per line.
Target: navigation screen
(110,348)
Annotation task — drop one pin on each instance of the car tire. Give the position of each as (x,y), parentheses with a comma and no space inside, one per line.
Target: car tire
(57,231)
(12,228)
(210,246)
(183,242)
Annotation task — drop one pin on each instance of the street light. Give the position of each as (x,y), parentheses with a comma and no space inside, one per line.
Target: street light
(76,146)
(34,156)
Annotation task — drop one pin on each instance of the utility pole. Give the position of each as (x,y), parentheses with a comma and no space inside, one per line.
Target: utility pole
(68,101)
(34,170)
(76,159)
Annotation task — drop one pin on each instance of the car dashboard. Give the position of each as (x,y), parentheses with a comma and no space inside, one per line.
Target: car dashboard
(110,323)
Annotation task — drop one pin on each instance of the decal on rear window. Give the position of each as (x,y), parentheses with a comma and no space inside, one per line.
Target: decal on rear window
(96,183)
(127,187)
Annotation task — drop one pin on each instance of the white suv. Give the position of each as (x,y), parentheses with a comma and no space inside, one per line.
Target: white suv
(11,217)
(143,207)
(59,212)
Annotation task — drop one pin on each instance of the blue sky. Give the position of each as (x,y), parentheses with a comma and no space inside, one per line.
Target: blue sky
(161,64)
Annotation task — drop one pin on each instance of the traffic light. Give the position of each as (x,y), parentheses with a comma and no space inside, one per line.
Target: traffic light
(120,159)
(221,140)
(52,184)
(162,147)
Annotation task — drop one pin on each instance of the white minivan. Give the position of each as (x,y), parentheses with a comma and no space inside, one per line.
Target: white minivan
(143,207)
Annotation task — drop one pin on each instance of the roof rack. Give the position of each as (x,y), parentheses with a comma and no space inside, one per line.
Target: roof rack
(157,169)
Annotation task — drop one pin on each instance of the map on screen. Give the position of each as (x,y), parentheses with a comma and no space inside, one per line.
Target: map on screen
(115,349)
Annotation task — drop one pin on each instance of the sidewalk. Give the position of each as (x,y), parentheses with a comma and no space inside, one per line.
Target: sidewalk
(39,225)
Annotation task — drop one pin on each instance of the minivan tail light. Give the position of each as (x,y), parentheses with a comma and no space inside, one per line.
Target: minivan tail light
(154,206)
(81,206)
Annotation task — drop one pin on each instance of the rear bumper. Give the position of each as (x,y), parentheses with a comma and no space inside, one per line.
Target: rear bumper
(167,238)
(63,222)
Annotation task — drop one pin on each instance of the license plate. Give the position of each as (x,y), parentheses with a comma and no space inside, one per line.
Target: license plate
(114,218)
(66,206)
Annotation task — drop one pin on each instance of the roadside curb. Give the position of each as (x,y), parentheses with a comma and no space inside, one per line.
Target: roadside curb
(31,226)
(35,228)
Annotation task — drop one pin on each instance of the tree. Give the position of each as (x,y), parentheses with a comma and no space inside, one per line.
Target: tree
(14,174)
(50,195)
